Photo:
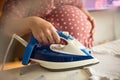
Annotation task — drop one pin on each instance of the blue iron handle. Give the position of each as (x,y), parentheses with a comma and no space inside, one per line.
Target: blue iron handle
(31,45)
(29,49)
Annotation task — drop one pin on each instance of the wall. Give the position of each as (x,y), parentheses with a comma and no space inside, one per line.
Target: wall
(117,24)
(107,25)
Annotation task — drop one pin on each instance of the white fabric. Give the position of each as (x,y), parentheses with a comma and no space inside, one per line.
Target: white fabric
(109,66)
(112,47)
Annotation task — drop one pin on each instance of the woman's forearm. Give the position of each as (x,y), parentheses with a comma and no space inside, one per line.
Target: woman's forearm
(41,29)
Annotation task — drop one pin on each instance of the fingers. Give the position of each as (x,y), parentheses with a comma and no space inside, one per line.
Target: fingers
(93,26)
(44,31)
(89,42)
(55,36)
(38,37)
(86,43)
(41,37)
(44,39)
(49,36)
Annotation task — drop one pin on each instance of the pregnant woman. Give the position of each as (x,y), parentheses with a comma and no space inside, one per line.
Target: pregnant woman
(43,17)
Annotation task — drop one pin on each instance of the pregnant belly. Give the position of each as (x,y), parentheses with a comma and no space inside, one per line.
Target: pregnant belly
(68,17)
(72,19)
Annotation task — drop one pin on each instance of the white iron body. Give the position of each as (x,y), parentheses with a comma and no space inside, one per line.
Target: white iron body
(73,47)
(55,56)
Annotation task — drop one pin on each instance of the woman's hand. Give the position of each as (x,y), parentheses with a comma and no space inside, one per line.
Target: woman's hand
(92,32)
(92,21)
(42,30)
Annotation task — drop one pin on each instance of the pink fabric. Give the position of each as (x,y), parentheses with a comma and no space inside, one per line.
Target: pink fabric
(65,15)
(72,19)
(22,8)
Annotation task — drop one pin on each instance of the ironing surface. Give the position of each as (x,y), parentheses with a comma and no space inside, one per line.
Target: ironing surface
(59,56)
(112,47)
(107,69)
(35,72)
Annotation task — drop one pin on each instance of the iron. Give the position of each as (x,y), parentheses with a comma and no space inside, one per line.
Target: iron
(59,56)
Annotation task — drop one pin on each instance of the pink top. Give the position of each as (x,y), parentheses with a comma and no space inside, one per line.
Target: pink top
(65,15)
(23,8)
